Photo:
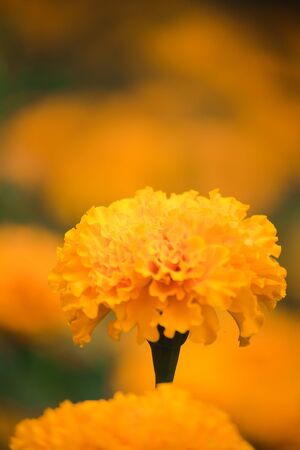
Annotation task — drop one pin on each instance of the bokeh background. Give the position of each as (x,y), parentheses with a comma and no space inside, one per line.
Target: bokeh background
(99,99)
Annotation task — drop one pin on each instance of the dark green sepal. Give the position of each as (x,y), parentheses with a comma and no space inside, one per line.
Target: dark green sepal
(165,354)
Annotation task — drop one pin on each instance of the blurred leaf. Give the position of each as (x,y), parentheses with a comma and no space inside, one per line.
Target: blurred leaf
(34,380)
(23,206)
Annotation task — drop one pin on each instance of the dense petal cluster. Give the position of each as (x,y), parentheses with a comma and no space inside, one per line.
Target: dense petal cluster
(164,419)
(28,307)
(170,261)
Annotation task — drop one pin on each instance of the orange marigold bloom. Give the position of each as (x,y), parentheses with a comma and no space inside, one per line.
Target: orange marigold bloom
(27,306)
(170,261)
(128,422)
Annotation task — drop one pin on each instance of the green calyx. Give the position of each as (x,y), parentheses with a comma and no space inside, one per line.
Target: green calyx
(165,354)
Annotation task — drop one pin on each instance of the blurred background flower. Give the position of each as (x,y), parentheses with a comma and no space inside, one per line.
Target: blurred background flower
(258,385)
(171,416)
(27,307)
(98,100)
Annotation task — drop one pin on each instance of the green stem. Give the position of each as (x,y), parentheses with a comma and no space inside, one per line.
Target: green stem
(165,354)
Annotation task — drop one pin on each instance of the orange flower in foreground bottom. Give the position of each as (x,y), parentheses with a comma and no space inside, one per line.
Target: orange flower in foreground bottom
(172,262)
(167,418)
(259,385)
(27,306)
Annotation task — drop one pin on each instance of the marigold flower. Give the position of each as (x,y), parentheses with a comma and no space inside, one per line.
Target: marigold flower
(128,422)
(169,261)
(259,386)
(248,110)
(116,131)
(27,306)
(159,133)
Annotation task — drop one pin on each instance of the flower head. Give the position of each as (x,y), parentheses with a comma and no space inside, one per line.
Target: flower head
(167,418)
(170,261)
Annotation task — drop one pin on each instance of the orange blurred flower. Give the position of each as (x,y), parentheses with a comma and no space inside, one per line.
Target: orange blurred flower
(258,385)
(27,306)
(173,262)
(165,419)
(158,134)
(111,147)
(244,130)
